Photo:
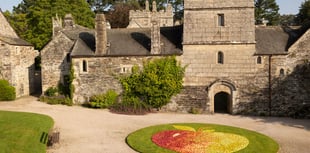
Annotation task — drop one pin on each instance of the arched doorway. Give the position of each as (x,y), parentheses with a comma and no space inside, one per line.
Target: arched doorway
(222,97)
(222,102)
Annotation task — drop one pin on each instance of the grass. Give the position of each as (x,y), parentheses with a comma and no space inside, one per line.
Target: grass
(141,140)
(23,132)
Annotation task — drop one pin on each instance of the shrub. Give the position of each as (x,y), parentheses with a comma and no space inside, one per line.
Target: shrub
(51,91)
(103,100)
(54,100)
(157,83)
(7,92)
(130,105)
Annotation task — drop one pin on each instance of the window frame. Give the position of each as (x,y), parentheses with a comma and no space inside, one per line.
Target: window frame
(84,66)
(220,57)
(221,19)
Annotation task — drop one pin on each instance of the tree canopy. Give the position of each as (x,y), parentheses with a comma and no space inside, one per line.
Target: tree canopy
(303,16)
(267,10)
(32,19)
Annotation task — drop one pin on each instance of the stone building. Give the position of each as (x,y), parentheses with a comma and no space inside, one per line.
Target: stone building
(233,66)
(142,18)
(99,55)
(17,60)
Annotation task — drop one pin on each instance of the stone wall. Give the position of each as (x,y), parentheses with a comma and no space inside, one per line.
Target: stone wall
(54,60)
(201,25)
(142,18)
(239,70)
(201,4)
(101,74)
(17,66)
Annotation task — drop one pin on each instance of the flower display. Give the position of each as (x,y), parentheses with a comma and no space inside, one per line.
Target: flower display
(185,139)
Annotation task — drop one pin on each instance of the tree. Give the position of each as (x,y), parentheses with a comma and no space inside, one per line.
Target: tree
(156,84)
(287,20)
(268,10)
(119,16)
(32,19)
(303,16)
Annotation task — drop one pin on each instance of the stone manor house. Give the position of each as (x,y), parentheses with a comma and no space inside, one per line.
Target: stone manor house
(233,66)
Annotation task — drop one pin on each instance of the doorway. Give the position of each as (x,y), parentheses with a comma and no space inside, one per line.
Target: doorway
(222,103)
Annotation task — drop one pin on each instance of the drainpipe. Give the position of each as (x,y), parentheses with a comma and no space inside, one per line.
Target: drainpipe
(270,87)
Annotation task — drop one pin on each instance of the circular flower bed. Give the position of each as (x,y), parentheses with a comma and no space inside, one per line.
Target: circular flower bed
(199,138)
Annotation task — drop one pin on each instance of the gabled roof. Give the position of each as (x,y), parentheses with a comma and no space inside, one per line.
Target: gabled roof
(303,43)
(8,35)
(271,41)
(14,41)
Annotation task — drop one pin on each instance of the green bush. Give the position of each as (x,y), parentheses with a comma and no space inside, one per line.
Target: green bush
(159,80)
(7,92)
(54,100)
(51,91)
(103,100)
(130,105)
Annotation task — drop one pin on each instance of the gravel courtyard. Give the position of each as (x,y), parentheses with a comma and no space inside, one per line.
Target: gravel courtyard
(84,130)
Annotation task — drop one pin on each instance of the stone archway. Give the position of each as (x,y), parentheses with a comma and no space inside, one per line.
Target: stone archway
(222,95)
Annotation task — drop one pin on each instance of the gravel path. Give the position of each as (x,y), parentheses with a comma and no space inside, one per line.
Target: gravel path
(84,130)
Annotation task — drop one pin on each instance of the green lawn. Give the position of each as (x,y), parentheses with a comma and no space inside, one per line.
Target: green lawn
(23,132)
(258,143)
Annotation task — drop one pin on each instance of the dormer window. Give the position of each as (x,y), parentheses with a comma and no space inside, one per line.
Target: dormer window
(221,20)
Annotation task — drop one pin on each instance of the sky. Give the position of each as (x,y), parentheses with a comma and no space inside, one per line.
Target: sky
(286,6)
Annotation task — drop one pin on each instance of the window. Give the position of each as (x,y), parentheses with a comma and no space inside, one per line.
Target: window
(84,66)
(281,72)
(259,60)
(220,58)
(221,20)
(68,58)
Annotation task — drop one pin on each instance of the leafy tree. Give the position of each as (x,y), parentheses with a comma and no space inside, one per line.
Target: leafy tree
(119,17)
(156,84)
(31,19)
(287,20)
(268,10)
(303,16)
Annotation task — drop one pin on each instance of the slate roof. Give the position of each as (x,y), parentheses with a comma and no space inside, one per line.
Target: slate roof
(136,42)
(272,40)
(125,42)
(14,41)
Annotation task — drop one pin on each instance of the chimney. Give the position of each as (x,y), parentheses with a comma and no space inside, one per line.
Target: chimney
(101,35)
(147,6)
(154,6)
(57,25)
(155,34)
(265,22)
(68,21)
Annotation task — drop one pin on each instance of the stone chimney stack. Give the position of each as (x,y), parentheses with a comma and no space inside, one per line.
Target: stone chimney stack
(154,6)
(147,6)
(68,21)
(155,34)
(101,35)
(57,25)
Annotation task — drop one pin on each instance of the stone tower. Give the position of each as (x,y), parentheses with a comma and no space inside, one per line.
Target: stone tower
(101,35)
(218,47)
(225,21)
